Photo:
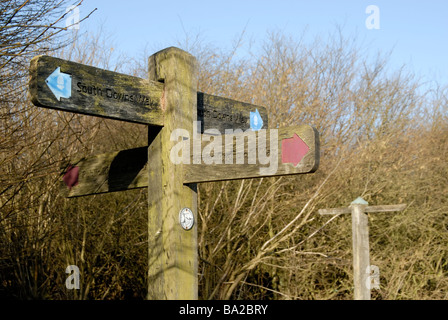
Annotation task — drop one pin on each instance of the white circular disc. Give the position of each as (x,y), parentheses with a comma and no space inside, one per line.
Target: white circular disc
(186,218)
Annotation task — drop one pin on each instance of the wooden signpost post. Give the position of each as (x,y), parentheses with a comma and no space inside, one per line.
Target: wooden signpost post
(360,239)
(193,137)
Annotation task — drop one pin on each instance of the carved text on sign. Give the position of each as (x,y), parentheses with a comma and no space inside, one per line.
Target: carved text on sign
(209,112)
(113,94)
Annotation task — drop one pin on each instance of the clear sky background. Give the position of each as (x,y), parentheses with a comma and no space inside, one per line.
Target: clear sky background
(417,31)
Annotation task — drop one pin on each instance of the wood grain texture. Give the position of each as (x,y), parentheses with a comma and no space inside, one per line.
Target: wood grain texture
(119,171)
(368,209)
(109,172)
(222,113)
(386,208)
(232,171)
(173,260)
(334,211)
(361,255)
(114,95)
(97,92)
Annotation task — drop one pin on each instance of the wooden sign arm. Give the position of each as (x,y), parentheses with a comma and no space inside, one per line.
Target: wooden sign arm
(369,209)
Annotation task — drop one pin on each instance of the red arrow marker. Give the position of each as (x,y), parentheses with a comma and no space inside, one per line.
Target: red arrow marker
(71,176)
(293,150)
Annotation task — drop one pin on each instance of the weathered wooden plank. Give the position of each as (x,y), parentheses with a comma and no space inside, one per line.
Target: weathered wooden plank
(100,173)
(173,260)
(386,208)
(361,256)
(109,172)
(70,86)
(93,91)
(368,209)
(334,211)
(247,160)
(222,113)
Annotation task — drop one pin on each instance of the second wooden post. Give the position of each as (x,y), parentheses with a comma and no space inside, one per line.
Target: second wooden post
(173,263)
(361,257)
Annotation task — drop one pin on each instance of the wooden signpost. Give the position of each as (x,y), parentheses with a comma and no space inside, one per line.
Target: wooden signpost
(360,239)
(193,137)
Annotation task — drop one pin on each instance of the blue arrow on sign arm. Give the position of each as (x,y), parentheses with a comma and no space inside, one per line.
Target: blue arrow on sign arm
(256,122)
(60,84)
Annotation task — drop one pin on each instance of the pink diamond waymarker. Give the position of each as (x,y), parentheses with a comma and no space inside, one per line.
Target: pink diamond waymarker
(71,176)
(293,150)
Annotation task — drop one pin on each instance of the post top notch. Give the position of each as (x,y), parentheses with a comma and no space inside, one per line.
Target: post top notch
(360,201)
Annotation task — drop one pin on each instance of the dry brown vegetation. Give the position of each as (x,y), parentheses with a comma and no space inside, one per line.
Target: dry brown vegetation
(384,137)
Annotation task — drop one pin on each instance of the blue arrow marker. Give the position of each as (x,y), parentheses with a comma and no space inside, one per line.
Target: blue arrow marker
(60,84)
(256,123)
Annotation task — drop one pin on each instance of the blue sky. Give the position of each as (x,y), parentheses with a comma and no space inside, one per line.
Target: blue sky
(417,31)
